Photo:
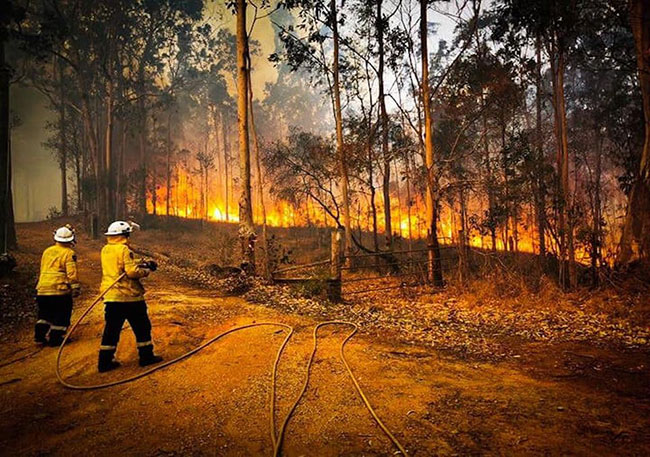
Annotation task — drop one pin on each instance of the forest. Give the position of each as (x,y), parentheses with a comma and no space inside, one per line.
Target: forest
(483,163)
(536,138)
(536,143)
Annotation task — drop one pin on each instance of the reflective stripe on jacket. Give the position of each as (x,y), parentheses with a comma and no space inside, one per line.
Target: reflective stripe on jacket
(117,258)
(58,274)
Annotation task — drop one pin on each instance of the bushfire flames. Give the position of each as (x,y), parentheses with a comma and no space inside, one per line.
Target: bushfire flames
(188,199)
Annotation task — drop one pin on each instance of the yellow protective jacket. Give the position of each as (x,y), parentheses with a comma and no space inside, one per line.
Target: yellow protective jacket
(58,271)
(117,258)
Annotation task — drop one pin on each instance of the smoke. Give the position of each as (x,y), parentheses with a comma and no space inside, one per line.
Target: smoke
(36,175)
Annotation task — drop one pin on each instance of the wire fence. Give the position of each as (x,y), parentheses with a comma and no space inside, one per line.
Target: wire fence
(363,272)
(408,266)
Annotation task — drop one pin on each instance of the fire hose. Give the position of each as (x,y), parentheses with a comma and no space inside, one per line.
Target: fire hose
(276,439)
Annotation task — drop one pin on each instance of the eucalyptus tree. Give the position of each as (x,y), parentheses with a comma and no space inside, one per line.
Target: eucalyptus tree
(308,52)
(376,43)
(635,239)
(12,15)
(160,43)
(246,227)
(608,125)
(556,24)
(434,265)
(114,54)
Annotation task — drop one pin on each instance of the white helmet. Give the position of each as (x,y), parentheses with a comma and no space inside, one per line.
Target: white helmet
(121,228)
(64,234)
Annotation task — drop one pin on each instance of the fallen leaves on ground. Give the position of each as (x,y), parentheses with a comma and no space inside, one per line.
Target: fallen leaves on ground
(450,324)
(445,320)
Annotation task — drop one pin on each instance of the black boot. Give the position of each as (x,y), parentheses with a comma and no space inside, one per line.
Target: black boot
(107,361)
(147,356)
(40,332)
(56,338)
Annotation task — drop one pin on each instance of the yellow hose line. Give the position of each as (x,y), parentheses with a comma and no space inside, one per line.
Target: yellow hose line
(278,443)
(275,439)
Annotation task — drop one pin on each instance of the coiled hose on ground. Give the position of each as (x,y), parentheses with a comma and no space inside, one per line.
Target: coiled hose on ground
(276,438)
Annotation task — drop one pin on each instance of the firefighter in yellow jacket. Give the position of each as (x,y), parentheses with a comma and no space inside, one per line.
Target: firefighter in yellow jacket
(57,285)
(125,300)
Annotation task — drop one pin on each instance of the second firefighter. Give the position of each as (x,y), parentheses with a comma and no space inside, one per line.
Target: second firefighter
(125,300)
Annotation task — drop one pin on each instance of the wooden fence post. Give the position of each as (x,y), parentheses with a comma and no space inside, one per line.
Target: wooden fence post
(334,281)
(462,257)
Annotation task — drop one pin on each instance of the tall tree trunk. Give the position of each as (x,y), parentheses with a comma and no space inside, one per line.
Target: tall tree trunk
(63,143)
(506,239)
(399,201)
(206,171)
(187,195)
(462,237)
(154,173)
(573,277)
(78,170)
(540,188)
(596,241)
(28,201)
(92,174)
(568,277)
(383,117)
(206,204)
(246,227)
(260,179)
(107,214)
(119,179)
(489,178)
(8,230)
(154,188)
(86,168)
(225,165)
(168,190)
(340,150)
(371,185)
(434,263)
(142,141)
(217,148)
(409,202)
(373,210)
(635,239)
(92,141)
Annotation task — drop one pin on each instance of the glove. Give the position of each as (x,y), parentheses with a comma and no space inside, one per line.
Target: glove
(152,265)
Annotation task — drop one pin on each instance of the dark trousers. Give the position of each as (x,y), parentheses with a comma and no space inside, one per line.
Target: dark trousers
(136,314)
(54,313)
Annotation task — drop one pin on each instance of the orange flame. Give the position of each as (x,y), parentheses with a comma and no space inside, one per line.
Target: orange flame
(187,201)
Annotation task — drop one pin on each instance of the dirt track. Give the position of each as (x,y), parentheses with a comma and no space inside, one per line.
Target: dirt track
(216,403)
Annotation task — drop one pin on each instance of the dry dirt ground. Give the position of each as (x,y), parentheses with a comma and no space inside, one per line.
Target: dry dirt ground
(216,402)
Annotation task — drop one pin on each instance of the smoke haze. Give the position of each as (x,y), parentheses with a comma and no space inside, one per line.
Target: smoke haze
(35,171)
